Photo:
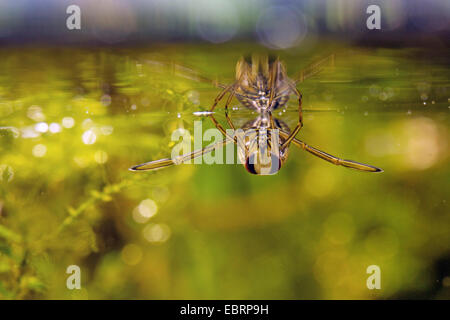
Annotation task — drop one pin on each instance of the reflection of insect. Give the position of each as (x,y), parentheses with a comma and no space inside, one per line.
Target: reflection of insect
(262,85)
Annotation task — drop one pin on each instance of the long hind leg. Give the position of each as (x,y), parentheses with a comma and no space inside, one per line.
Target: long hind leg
(332,159)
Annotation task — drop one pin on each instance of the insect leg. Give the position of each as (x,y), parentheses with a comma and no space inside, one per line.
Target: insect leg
(230,123)
(273,81)
(314,68)
(221,128)
(330,158)
(272,122)
(163,163)
(216,101)
(157,64)
(300,119)
(220,96)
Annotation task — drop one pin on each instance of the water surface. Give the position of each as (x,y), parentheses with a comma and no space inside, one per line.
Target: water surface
(74,120)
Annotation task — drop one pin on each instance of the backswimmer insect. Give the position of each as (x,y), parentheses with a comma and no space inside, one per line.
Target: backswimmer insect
(263,86)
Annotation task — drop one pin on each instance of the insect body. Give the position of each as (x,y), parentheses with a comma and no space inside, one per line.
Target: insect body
(262,85)
(260,151)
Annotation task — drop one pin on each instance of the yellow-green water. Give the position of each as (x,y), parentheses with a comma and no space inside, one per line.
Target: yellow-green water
(215,231)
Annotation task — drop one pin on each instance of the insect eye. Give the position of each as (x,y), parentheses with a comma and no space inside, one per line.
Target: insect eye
(253,167)
(250,164)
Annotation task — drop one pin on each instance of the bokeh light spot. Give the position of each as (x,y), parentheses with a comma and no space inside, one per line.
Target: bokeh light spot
(145,210)
(281,27)
(41,127)
(217,21)
(131,254)
(68,122)
(156,232)
(54,127)
(39,150)
(89,137)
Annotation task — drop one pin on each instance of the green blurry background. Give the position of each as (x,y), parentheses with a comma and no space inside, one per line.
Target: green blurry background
(73,120)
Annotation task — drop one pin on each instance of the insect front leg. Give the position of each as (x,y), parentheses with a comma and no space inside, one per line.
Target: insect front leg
(231,89)
(220,96)
(230,97)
